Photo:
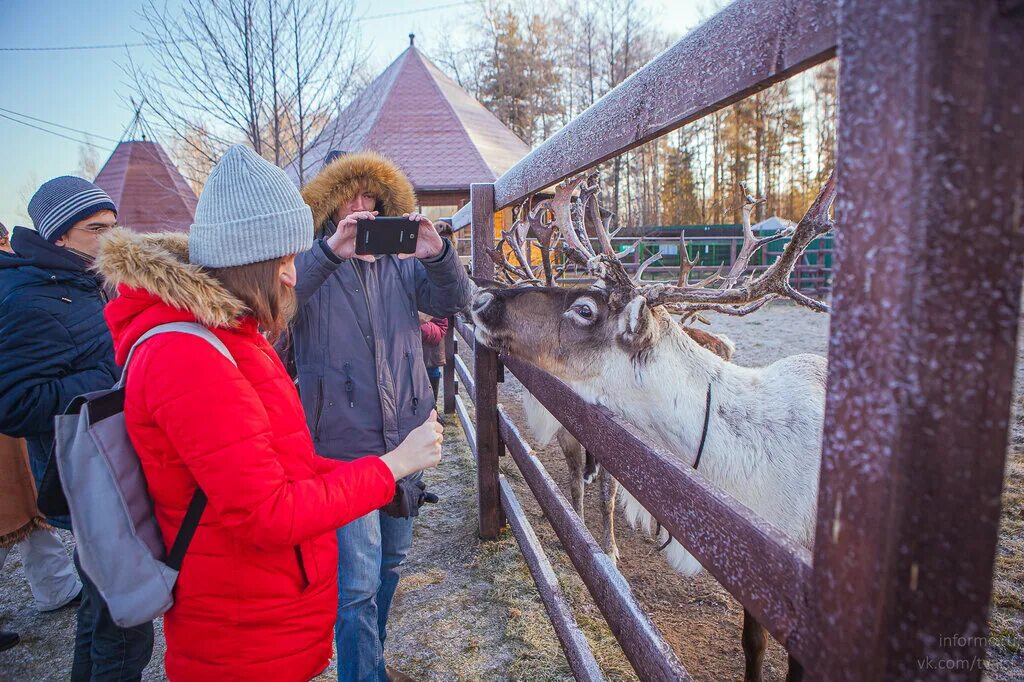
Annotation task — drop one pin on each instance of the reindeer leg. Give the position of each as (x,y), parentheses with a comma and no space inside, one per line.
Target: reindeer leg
(796,671)
(575,457)
(609,489)
(590,468)
(754,642)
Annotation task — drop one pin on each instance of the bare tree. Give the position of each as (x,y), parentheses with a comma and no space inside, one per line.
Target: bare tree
(88,160)
(271,73)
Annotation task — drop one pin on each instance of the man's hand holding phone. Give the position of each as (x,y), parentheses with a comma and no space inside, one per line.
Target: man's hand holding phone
(343,241)
(428,242)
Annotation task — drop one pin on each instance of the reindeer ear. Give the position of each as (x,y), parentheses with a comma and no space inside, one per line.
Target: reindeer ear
(637,324)
(633,315)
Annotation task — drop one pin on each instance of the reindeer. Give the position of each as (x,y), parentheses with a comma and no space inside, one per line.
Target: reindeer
(753,432)
(583,468)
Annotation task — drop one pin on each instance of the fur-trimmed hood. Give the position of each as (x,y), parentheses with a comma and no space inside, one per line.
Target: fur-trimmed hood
(340,180)
(158,264)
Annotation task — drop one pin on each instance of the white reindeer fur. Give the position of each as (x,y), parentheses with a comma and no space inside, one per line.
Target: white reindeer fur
(545,427)
(764,433)
(542,423)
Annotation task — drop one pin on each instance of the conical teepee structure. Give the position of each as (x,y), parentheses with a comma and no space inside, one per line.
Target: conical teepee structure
(150,193)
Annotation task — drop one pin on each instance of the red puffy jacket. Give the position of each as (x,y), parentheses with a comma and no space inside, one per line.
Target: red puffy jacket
(257,595)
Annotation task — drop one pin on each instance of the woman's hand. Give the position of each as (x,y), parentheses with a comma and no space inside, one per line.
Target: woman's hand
(343,241)
(420,450)
(428,242)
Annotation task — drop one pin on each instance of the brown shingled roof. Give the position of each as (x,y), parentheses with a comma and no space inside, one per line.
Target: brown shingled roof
(421,119)
(150,194)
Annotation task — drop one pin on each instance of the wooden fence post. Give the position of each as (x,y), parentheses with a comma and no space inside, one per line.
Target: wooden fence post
(485,374)
(926,304)
(448,373)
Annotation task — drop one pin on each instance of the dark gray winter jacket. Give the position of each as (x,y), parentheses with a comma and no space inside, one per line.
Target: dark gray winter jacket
(358,352)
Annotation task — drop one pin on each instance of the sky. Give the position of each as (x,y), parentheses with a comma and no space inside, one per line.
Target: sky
(86,89)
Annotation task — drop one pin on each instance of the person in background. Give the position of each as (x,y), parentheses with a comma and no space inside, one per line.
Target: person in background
(359,356)
(8,639)
(257,594)
(46,563)
(54,346)
(432,331)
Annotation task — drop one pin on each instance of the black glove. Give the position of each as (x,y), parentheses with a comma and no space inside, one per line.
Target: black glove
(409,497)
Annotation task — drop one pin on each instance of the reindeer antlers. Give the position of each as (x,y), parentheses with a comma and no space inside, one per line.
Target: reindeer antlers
(772,283)
(730,294)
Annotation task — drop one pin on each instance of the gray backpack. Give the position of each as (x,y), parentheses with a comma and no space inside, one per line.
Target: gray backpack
(119,543)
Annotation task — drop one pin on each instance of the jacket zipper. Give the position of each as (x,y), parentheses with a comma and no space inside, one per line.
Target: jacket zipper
(350,387)
(412,381)
(369,312)
(319,408)
(373,340)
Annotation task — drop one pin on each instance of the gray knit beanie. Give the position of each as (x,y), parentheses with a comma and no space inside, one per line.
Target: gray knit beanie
(249,212)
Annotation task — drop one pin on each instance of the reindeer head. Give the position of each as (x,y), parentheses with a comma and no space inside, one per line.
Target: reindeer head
(570,332)
(576,333)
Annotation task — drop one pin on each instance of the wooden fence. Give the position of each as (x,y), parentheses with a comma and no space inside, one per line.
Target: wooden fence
(812,274)
(925,309)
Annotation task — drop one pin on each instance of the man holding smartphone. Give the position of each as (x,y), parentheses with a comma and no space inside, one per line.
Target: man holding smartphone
(361,377)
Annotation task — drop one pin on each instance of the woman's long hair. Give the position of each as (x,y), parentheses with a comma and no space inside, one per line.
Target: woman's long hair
(259,287)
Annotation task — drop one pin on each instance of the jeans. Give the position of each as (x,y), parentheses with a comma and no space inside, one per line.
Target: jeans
(105,652)
(370,552)
(48,568)
(38,466)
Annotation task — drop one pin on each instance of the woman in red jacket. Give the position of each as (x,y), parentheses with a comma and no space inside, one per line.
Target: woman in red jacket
(257,594)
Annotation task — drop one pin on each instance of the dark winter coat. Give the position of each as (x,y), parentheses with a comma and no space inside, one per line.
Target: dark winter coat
(358,352)
(258,592)
(54,343)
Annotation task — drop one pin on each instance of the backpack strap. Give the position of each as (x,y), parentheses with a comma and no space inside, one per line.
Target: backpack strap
(197,505)
(187,530)
(193,328)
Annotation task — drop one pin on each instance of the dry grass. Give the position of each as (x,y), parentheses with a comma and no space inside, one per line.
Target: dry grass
(1006,622)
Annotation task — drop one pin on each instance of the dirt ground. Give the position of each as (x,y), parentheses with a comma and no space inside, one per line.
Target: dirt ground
(468,610)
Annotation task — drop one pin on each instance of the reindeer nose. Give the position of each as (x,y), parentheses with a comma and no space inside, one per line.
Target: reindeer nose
(482,300)
(485,310)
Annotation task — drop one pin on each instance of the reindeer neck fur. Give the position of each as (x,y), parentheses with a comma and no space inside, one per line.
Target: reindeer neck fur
(764,429)
(663,389)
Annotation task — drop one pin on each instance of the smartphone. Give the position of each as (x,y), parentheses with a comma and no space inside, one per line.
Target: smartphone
(382,236)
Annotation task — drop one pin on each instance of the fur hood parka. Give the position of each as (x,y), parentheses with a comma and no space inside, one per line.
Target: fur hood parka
(257,594)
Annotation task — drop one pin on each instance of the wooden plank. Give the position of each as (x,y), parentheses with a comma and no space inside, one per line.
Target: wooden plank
(466,377)
(463,217)
(574,643)
(465,330)
(642,642)
(766,571)
(746,47)
(467,424)
(448,374)
(923,336)
(485,372)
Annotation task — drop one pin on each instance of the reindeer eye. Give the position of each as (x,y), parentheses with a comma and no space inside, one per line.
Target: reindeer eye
(583,311)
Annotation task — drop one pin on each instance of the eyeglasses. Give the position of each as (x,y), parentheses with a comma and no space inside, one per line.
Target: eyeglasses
(95,229)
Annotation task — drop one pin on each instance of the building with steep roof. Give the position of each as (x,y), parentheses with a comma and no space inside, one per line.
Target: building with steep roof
(434,130)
